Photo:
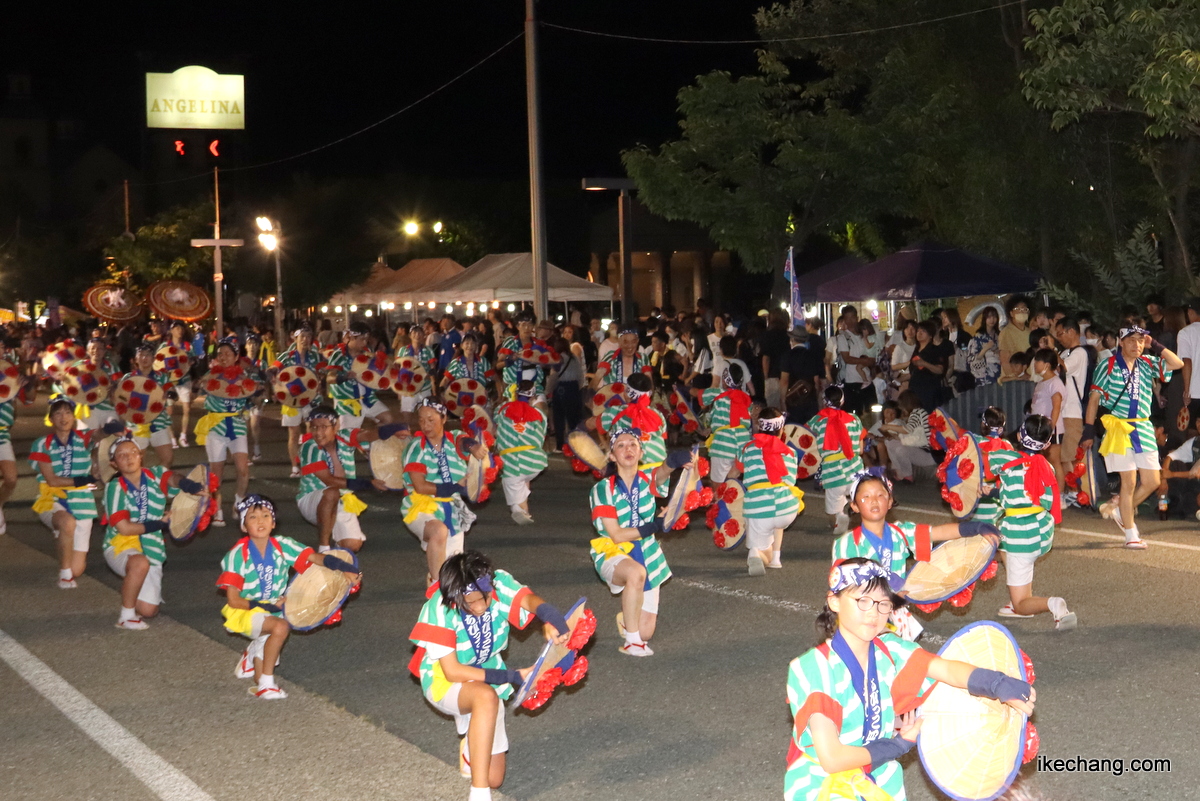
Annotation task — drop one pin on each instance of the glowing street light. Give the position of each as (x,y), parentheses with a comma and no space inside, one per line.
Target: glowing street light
(412,228)
(272,233)
(437,227)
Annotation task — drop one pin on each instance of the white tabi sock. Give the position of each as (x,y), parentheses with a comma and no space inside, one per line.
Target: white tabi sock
(480,794)
(127,614)
(1132,534)
(265,681)
(66,574)
(632,637)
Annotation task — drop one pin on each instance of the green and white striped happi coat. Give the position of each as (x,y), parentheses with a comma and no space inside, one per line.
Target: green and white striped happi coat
(439,625)
(347,388)
(529,436)
(908,539)
(238,570)
(727,440)
(654,443)
(511,349)
(69,461)
(420,457)
(1025,533)
(612,500)
(837,471)
(481,370)
(997,451)
(1113,376)
(314,459)
(8,415)
(140,504)
(819,682)
(767,502)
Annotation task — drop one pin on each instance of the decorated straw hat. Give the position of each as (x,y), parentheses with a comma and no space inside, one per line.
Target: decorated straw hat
(172,362)
(373,370)
(972,747)
(681,413)
(178,300)
(138,399)
(478,473)
(584,447)
(85,383)
(113,303)
(10,380)
(960,473)
(186,509)
(943,430)
(538,354)
(236,388)
(559,664)
(410,375)
(387,461)
(317,594)
(684,497)
(808,451)
(61,355)
(1093,484)
(296,387)
(477,423)
(608,395)
(104,464)
(952,568)
(464,392)
(725,517)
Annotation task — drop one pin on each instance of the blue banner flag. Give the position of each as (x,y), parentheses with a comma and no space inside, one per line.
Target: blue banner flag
(794,300)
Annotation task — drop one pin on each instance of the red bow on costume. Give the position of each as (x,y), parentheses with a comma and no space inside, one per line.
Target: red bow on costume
(232,373)
(521,412)
(739,406)
(640,415)
(837,435)
(1039,475)
(773,451)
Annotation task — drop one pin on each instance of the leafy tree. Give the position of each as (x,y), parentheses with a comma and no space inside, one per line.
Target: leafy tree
(1135,59)
(1133,272)
(162,248)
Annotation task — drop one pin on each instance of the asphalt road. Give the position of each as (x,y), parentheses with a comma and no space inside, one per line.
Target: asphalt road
(705,718)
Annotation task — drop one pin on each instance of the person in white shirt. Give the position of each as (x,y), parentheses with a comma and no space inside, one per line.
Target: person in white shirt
(1075,362)
(714,338)
(1189,351)
(609,343)
(855,373)
(1180,484)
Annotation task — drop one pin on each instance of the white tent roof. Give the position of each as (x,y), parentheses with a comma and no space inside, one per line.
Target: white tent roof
(384,284)
(508,277)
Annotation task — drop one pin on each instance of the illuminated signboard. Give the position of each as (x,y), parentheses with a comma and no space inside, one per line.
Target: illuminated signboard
(195,97)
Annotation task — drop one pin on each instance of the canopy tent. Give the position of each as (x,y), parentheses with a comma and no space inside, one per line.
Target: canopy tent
(808,282)
(384,284)
(927,270)
(507,277)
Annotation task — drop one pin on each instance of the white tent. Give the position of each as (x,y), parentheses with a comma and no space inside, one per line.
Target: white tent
(507,278)
(384,284)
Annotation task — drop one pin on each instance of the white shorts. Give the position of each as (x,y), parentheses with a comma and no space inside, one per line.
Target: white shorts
(449,706)
(719,467)
(760,531)
(184,391)
(408,403)
(6,452)
(454,543)
(1018,568)
(374,411)
(1129,461)
(218,447)
(83,528)
(156,439)
(836,500)
(345,525)
(96,420)
(293,420)
(151,592)
(516,488)
(649,597)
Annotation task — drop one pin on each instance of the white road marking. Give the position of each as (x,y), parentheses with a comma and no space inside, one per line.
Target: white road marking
(161,777)
(776,603)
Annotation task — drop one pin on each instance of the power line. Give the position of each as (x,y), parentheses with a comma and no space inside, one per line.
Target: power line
(360,131)
(842,34)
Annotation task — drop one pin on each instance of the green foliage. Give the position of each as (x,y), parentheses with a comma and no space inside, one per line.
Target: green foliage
(1135,56)
(162,248)
(1132,273)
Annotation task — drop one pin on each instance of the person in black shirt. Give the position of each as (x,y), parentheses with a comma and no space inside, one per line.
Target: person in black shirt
(802,370)
(928,366)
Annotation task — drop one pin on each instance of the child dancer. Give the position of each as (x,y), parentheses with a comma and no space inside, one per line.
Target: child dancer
(841,436)
(772,499)
(520,440)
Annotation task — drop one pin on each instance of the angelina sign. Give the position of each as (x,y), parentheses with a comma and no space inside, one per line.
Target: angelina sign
(195,97)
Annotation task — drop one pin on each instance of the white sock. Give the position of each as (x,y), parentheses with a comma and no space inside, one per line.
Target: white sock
(775,556)
(322,548)
(632,637)
(66,574)
(265,681)
(1132,534)
(480,794)
(127,614)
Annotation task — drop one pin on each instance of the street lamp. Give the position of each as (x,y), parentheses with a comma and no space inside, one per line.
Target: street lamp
(272,234)
(624,186)
(412,228)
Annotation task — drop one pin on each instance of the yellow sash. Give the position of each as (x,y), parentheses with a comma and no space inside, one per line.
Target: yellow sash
(423,505)
(440,685)
(288,411)
(142,431)
(126,542)
(648,465)
(1116,434)
(851,784)
(47,495)
(353,504)
(355,406)
(792,488)
(1017,511)
(708,442)
(210,421)
(609,548)
(518,448)
(833,457)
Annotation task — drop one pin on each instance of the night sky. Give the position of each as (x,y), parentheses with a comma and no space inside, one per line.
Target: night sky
(315,75)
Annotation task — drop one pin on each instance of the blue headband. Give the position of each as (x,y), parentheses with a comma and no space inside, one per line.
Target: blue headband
(244,506)
(617,432)
(482,584)
(430,403)
(873,473)
(1131,330)
(1029,443)
(848,575)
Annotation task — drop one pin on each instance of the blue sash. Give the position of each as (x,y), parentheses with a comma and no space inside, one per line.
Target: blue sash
(480,633)
(264,565)
(885,550)
(866,686)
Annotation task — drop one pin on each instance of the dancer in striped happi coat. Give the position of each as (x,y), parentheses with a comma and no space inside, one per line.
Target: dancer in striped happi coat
(730,419)
(1029,498)
(772,498)
(637,414)
(841,436)
(520,441)
(997,451)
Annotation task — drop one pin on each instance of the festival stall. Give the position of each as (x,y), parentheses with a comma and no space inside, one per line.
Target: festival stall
(507,278)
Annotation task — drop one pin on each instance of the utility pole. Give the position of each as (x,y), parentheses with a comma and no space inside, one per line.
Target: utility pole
(537,220)
(216,243)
